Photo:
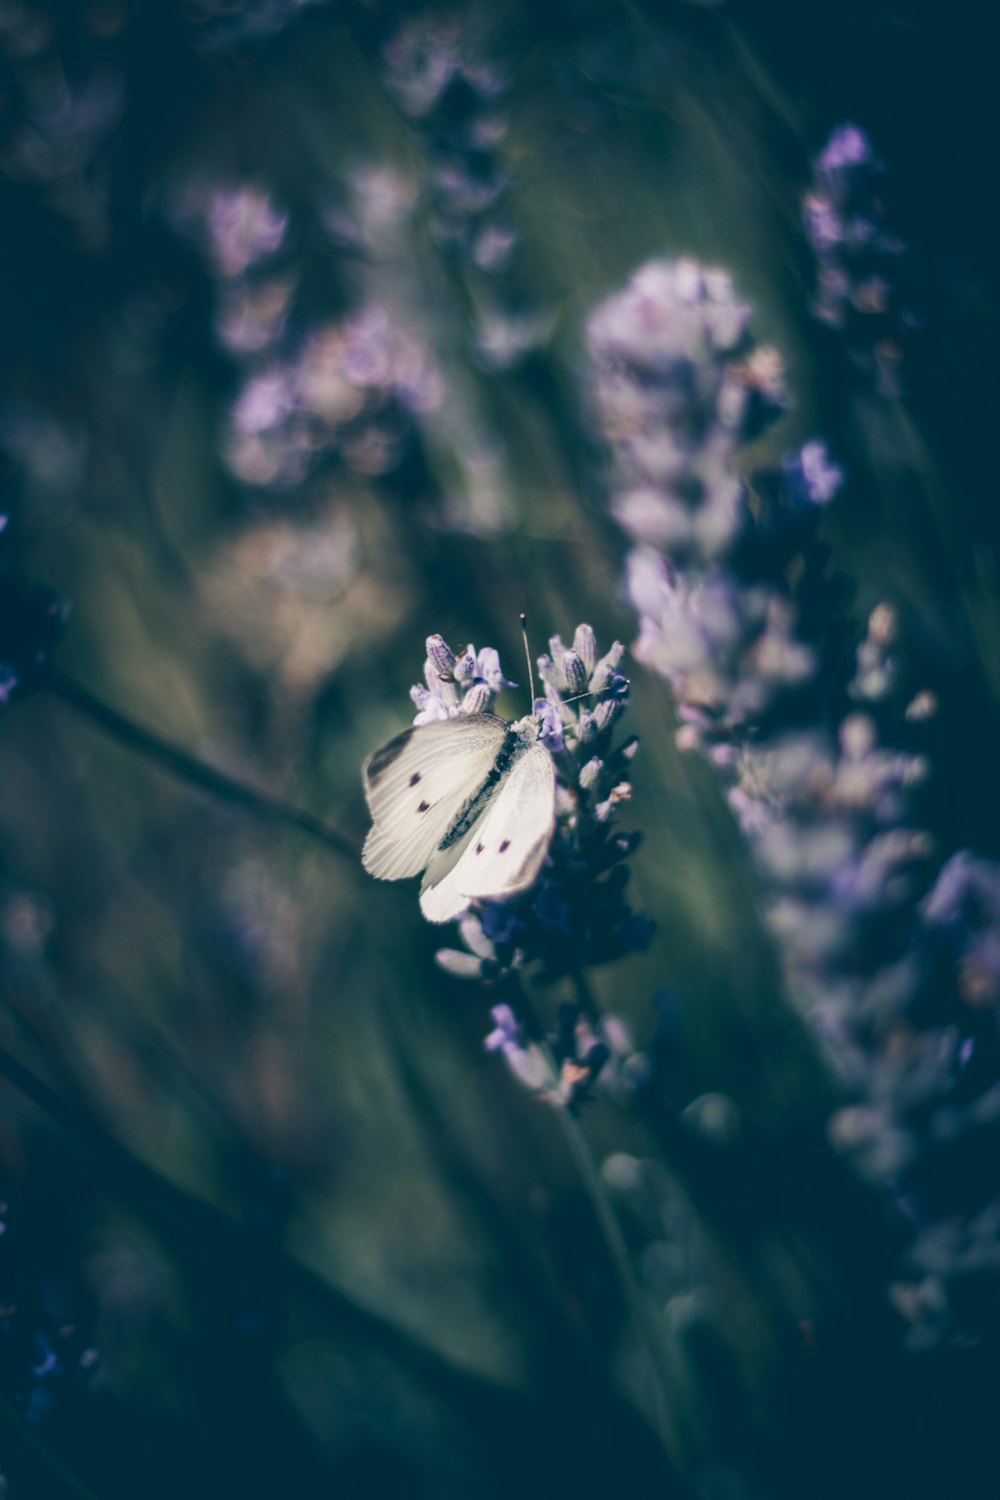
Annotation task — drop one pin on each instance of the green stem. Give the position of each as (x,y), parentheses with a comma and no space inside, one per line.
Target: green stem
(605,1215)
(187,767)
(617,1249)
(12,1417)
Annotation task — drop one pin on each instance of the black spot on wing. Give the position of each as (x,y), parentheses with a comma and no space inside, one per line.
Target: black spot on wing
(479,848)
(380,760)
(505,845)
(423,807)
(414,778)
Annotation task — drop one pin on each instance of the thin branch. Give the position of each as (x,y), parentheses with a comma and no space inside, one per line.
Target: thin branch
(203,1238)
(638,1305)
(193,1226)
(187,767)
(31,1440)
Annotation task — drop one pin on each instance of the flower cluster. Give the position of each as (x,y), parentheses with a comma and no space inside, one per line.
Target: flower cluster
(566,1064)
(349,389)
(64,95)
(747,625)
(466,683)
(454,95)
(679,386)
(576,914)
(863,269)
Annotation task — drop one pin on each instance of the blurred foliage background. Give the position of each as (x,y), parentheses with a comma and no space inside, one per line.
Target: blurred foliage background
(305,1235)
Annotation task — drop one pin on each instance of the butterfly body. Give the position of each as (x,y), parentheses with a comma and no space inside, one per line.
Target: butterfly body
(470,801)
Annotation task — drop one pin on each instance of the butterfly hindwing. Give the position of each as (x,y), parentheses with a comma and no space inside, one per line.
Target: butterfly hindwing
(504,850)
(417,783)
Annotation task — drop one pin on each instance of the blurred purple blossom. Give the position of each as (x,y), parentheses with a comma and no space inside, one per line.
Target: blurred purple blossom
(464,683)
(678,386)
(244,227)
(901,988)
(523,1058)
(61,110)
(863,268)
(350,389)
(567,1063)
(812,473)
(449,83)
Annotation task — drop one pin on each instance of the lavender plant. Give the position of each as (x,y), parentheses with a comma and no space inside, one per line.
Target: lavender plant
(455,92)
(173,963)
(312,390)
(64,97)
(863,267)
(741,616)
(576,914)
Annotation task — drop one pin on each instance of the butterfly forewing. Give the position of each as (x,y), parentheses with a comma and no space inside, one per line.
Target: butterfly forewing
(416,785)
(506,846)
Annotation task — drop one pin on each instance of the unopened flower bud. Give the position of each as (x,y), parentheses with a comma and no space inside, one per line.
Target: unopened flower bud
(574,672)
(590,772)
(606,668)
(477,700)
(440,655)
(924,706)
(585,646)
(605,713)
(459,965)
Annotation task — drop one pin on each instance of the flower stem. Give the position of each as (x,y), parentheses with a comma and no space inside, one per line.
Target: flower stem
(187,767)
(638,1309)
(607,1221)
(68,1482)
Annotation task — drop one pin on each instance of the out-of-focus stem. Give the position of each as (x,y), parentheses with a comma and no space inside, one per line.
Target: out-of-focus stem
(67,1481)
(576,1140)
(638,1307)
(187,767)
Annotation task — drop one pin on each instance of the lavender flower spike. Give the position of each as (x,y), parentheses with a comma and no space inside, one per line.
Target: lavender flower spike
(464,682)
(678,386)
(576,913)
(863,268)
(901,989)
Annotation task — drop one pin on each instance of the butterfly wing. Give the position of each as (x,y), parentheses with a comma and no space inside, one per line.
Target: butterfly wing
(503,852)
(416,784)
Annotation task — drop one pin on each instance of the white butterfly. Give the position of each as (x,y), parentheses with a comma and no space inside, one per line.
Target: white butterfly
(470,800)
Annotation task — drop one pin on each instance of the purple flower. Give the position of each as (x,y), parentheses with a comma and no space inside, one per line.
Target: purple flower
(864,272)
(576,912)
(507,1032)
(524,1060)
(901,988)
(847,147)
(812,475)
(462,682)
(678,386)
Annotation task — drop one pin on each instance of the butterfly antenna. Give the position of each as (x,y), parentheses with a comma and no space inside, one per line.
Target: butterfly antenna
(527,654)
